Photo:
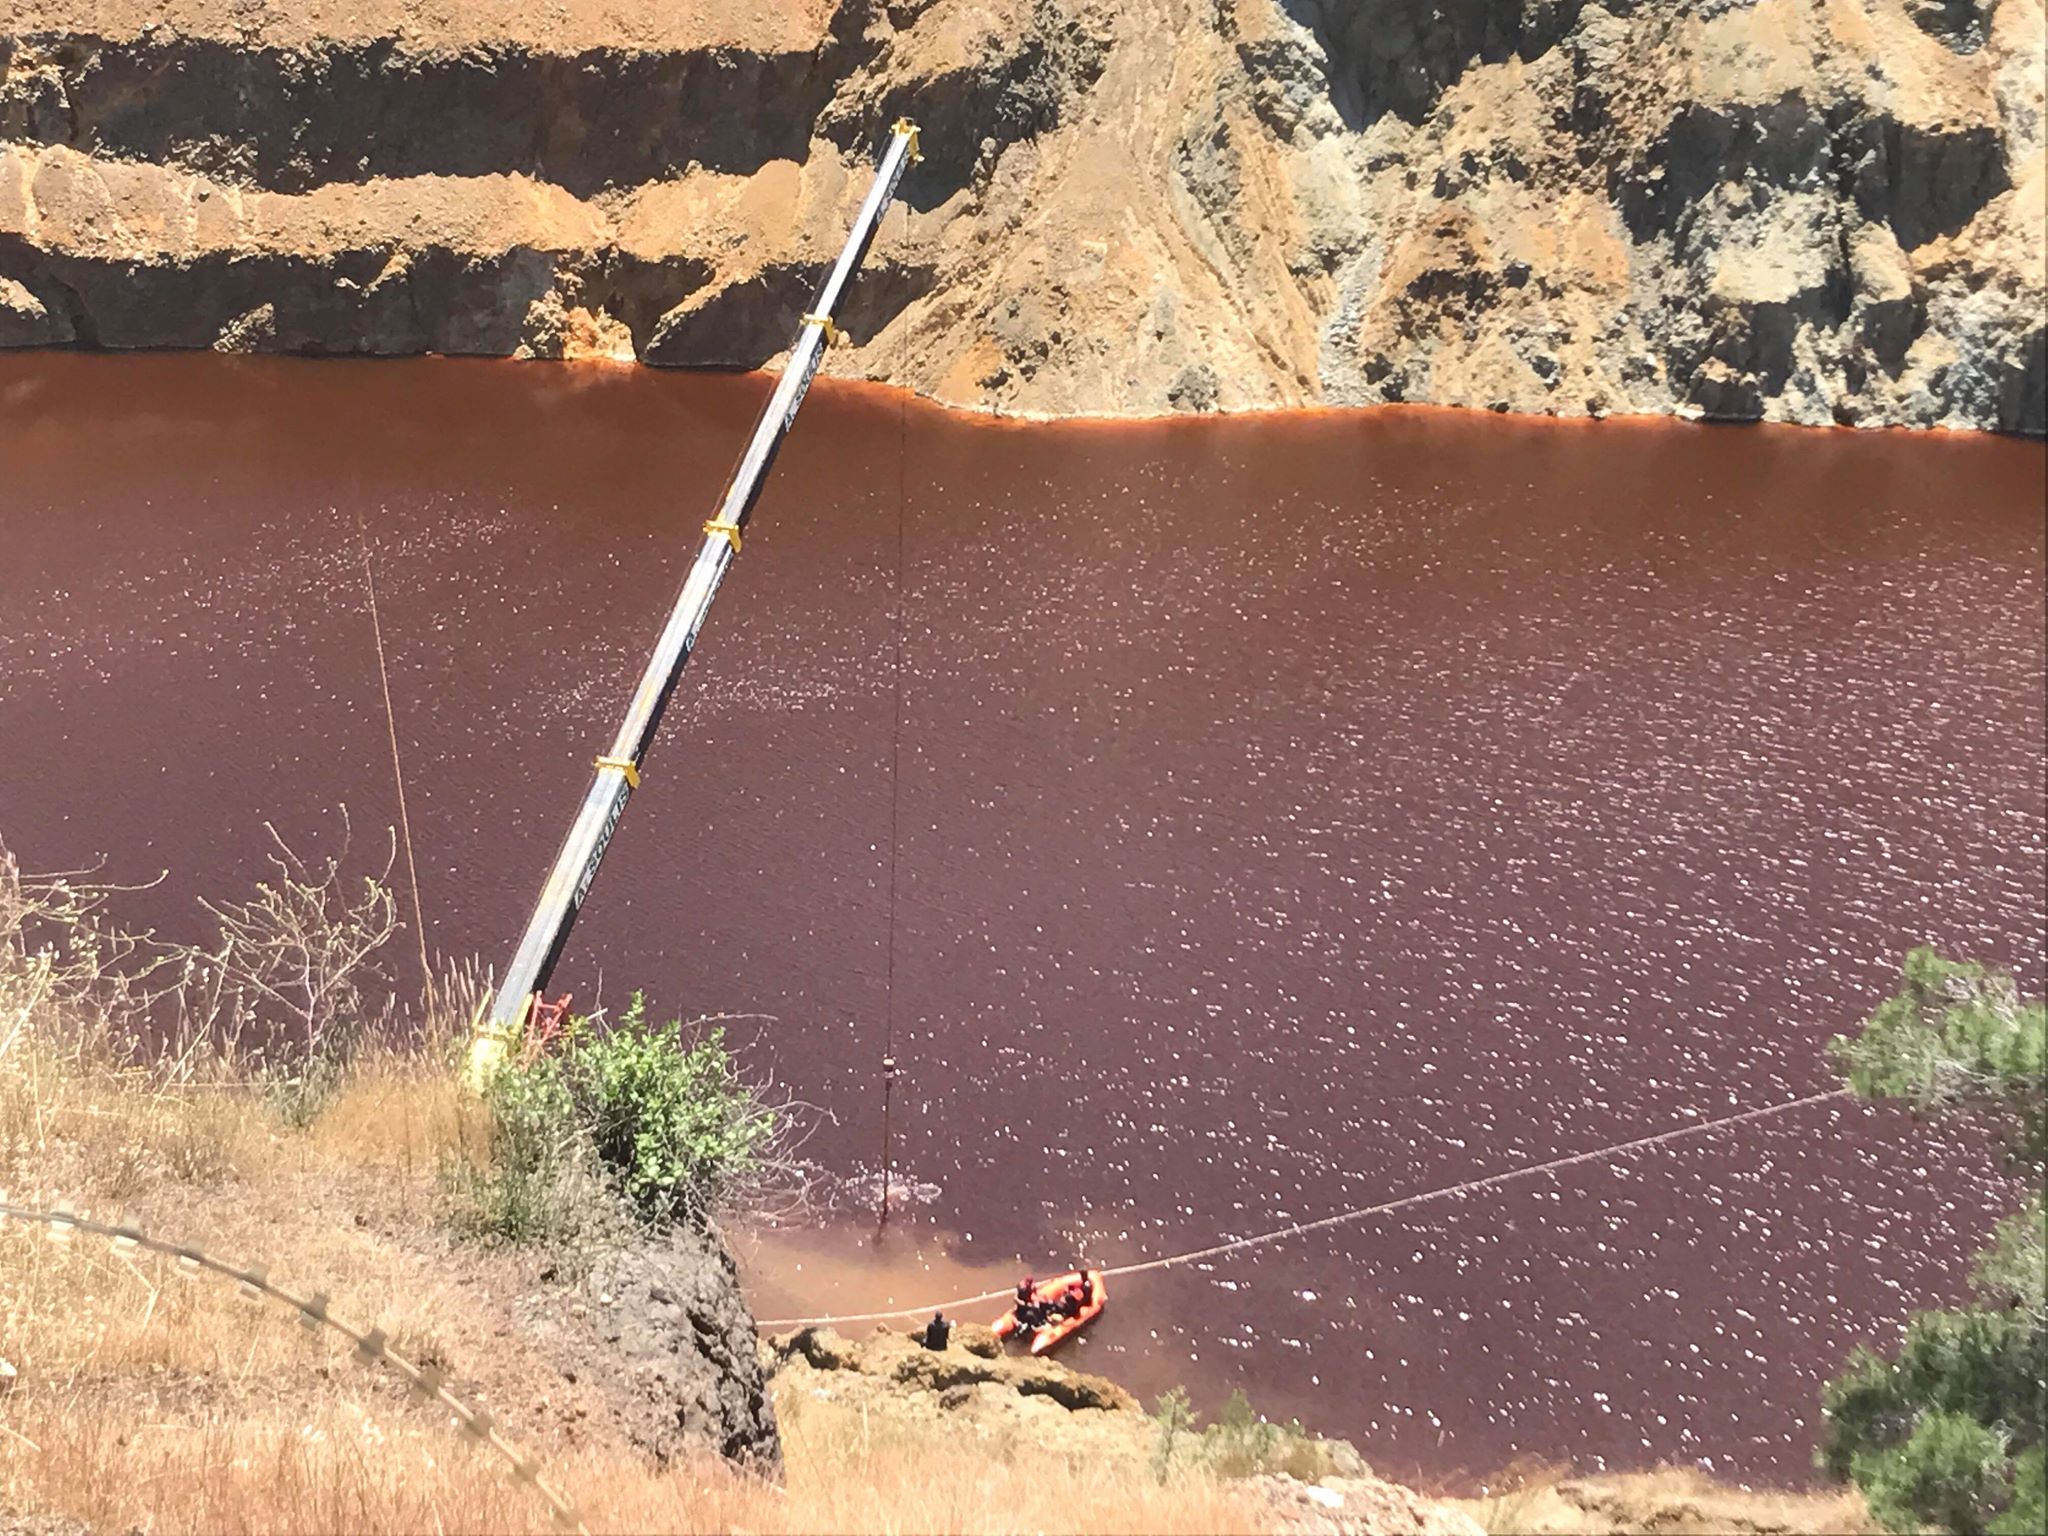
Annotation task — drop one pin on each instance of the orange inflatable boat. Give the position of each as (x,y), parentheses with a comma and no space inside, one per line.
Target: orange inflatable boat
(1057,1328)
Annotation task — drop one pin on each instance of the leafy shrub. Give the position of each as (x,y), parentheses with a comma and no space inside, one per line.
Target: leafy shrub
(1951,1470)
(524,1185)
(2029,1509)
(1175,1419)
(672,1121)
(1949,1431)
(1241,1443)
(1957,1033)
(634,1112)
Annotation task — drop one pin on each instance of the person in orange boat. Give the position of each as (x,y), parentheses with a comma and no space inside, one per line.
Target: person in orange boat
(1072,1299)
(1030,1312)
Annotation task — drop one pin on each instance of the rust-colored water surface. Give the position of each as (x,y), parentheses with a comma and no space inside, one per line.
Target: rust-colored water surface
(1287,814)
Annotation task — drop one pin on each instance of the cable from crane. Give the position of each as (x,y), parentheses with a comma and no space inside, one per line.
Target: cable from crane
(895,763)
(895,811)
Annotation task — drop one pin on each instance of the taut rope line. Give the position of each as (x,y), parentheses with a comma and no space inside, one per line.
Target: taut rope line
(1361,1213)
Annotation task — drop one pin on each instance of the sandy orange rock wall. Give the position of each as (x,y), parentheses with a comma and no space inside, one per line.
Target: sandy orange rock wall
(1805,210)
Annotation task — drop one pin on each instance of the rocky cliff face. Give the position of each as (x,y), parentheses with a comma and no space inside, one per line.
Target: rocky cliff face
(1804,210)
(672,1317)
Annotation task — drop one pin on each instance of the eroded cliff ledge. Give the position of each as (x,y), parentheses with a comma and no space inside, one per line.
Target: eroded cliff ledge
(1799,210)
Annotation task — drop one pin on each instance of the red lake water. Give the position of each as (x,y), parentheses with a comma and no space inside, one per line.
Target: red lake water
(1285,814)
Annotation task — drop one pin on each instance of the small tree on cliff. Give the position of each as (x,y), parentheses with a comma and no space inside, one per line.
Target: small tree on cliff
(1949,1430)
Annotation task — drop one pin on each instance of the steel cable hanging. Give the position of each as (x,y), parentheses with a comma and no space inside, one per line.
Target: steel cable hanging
(895,765)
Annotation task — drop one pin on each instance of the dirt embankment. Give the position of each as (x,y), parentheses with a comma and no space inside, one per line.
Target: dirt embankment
(1804,210)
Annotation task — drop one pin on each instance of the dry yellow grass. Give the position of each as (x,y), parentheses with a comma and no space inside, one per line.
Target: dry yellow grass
(350,1465)
(396,1110)
(150,1400)
(154,1401)
(1542,1500)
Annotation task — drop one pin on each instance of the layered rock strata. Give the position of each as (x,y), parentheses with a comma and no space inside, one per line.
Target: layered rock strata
(1823,211)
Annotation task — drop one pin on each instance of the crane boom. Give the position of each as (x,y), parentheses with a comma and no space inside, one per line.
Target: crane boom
(617,773)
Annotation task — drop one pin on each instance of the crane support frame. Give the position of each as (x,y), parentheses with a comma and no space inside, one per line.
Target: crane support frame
(617,772)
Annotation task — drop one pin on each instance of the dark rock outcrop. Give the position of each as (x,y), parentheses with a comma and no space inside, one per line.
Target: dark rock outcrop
(26,321)
(673,1316)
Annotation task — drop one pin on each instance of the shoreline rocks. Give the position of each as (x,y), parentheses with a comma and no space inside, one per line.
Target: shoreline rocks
(1017,1406)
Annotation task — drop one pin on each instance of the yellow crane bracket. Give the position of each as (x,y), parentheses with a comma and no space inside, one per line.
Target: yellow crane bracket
(907,128)
(491,1040)
(833,334)
(624,765)
(724,528)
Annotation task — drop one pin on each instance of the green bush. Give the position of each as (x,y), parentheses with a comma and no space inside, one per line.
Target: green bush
(1989,1366)
(1949,1430)
(1175,1419)
(665,1123)
(1957,1034)
(670,1119)
(2028,1513)
(1241,1443)
(524,1187)
(1952,1471)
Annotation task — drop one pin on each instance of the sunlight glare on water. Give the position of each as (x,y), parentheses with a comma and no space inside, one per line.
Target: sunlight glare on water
(1288,814)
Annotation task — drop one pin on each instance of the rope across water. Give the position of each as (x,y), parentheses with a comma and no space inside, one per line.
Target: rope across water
(1341,1218)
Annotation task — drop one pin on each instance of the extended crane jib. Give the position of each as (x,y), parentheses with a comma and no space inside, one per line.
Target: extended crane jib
(617,772)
